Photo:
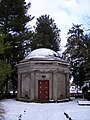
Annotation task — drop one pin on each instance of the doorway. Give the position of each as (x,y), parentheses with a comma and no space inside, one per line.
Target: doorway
(43,90)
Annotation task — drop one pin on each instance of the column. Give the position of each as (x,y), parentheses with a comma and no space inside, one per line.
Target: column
(19,86)
(54,86)
(32,87)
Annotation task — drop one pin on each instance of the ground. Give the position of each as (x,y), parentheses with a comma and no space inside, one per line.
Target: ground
(16,110)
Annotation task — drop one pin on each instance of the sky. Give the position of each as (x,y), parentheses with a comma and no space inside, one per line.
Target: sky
(64,12)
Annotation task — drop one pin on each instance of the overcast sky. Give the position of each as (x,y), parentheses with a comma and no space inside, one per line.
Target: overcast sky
(64,12)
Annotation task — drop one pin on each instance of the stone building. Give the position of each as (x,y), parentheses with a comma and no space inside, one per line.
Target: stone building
(43,76)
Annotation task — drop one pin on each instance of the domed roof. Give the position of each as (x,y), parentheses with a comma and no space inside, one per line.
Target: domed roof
(42,53)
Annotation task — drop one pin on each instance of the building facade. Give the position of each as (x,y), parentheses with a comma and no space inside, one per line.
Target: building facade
(43,76)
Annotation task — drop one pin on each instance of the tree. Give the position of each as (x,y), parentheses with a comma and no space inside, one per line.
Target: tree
(5,68)
(76,53)
(13,22)
(46,34)
(87,23)
(87,57)
(87,47)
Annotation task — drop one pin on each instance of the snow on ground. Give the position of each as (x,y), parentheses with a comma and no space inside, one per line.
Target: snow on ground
(45,111)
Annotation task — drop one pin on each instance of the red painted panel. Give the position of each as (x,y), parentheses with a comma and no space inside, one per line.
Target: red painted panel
(43,89)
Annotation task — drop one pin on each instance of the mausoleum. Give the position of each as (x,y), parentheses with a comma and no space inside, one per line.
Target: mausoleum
(43,76)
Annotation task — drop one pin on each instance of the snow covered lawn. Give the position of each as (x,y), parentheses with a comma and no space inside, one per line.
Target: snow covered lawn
(16,110)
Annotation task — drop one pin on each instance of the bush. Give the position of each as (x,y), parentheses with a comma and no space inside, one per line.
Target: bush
(86,93)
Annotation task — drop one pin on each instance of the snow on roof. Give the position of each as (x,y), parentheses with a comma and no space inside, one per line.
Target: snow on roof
(42,53)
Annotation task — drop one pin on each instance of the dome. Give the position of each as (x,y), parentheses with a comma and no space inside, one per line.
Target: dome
(42,53)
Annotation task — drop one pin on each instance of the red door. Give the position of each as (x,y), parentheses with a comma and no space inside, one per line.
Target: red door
(43,89)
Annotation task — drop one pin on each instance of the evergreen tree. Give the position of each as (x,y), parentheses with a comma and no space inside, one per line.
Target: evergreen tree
(76,53)
(13,21)
(5,68)
(47,34)
(87,57)
(87,47)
